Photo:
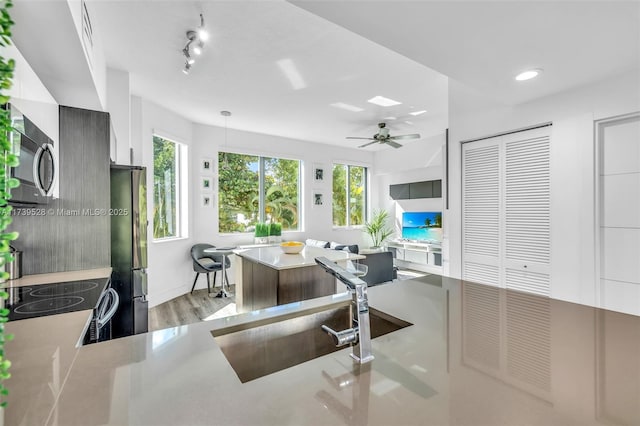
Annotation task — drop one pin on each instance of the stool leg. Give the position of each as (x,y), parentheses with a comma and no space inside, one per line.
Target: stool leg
(227,277)
(208,284)
(214,279)
(194,282)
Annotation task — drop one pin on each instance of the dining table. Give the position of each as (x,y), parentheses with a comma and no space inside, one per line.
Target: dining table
(224,252)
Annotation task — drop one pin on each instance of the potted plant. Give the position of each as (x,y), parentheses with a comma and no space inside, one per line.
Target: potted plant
(275,232)
(7,160)
(377,228)
(261,233)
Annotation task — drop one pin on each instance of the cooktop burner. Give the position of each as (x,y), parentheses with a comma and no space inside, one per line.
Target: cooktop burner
(50,299)
(72,287)
(49,305)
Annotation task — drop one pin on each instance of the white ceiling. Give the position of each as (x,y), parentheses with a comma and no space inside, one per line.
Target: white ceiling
(484,44)
(239,71)
(346,51)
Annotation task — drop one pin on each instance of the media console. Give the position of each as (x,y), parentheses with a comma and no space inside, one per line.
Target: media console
(423,253)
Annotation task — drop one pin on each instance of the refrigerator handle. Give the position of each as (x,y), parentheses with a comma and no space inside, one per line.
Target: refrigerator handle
(144,285)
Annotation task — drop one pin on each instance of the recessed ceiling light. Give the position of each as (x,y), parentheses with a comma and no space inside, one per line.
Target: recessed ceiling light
(414,113)
(390,118)
(529,74)
(382,101)
(347,107)
(409,122)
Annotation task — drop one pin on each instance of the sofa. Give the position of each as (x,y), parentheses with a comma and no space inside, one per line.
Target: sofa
(380,265)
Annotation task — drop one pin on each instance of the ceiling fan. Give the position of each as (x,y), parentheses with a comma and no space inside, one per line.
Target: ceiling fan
(383,136)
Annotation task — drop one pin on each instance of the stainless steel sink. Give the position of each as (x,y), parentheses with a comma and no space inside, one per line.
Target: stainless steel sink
(260,348)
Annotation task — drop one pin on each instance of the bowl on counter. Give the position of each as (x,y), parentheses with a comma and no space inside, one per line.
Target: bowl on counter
(292,247)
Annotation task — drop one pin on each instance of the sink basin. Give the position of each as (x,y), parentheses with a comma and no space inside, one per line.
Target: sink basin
(260,348)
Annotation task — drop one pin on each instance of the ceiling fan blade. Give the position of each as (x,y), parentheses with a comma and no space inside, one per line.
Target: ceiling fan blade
(404,137)
(367,144)
(393,144)
(353,137)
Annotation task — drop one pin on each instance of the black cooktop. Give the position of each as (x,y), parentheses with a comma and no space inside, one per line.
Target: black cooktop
(51,299)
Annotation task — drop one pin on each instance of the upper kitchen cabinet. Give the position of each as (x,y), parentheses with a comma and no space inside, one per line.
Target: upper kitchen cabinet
(414,190)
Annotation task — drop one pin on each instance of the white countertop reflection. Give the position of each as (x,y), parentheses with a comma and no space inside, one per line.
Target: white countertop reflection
(453,366)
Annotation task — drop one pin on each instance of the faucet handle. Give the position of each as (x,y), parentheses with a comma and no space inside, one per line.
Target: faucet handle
(344,337)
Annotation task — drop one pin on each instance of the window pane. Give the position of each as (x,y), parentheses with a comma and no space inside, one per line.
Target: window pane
(238,201)
(281,192)
(357,176)
(165,162)
(339,195)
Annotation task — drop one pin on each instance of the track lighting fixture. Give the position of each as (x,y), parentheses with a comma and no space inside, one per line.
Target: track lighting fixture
(197,49)
(196,38)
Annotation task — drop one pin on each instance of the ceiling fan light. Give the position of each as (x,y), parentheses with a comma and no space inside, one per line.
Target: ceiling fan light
(197,49)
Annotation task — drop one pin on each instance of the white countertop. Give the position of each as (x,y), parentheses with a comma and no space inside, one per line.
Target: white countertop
(59,277)
(275,258)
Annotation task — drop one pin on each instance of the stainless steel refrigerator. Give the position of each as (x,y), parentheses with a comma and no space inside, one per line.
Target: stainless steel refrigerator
(129,249)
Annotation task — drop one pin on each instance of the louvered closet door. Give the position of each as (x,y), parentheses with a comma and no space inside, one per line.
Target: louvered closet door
(481,211)
(527,252)
(505,211)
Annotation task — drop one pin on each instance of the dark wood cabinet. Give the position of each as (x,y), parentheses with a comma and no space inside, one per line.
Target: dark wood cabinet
(414,190)
(263,286)
(73,232)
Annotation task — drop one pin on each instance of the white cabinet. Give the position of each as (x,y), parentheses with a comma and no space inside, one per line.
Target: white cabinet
(419,253)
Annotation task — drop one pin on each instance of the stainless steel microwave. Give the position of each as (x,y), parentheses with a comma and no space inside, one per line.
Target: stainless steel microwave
(37,169)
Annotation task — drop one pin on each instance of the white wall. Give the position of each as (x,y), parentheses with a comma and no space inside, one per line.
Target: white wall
(572,169)
(31,96)
(316,221)
(119,106)
(169,264)
(418,161)
(94,53)
(170,268)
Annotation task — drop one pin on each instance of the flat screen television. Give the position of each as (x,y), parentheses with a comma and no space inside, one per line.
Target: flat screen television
(422,226)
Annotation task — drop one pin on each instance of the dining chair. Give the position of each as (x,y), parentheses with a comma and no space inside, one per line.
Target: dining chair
(205,263)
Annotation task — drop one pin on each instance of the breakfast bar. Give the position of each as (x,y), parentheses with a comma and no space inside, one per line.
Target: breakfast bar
(267,276)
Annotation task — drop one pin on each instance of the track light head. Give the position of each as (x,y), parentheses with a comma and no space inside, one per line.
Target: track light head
(203,34)
(197,49)
(187,56)
(197,38)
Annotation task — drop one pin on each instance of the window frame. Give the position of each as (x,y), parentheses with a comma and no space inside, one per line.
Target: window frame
(261,188)
(348,165)
(181,189)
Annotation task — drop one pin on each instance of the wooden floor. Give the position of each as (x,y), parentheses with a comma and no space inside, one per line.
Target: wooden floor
(199,306)
(191,308)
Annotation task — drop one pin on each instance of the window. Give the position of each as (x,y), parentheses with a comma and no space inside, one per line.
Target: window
(256,189)
(349,195)
(166,188)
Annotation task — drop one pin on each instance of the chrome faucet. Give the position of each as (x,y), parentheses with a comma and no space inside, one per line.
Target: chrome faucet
(359,335)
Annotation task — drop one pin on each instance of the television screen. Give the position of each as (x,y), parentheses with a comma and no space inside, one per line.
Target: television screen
(422,226)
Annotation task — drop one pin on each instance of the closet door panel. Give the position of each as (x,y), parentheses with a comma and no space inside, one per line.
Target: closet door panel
(481,212)
(527,231)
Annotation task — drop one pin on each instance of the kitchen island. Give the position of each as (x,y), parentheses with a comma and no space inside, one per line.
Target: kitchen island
(474,355)
(266,276)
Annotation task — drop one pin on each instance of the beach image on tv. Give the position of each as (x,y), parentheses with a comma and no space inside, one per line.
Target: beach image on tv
(422,226)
